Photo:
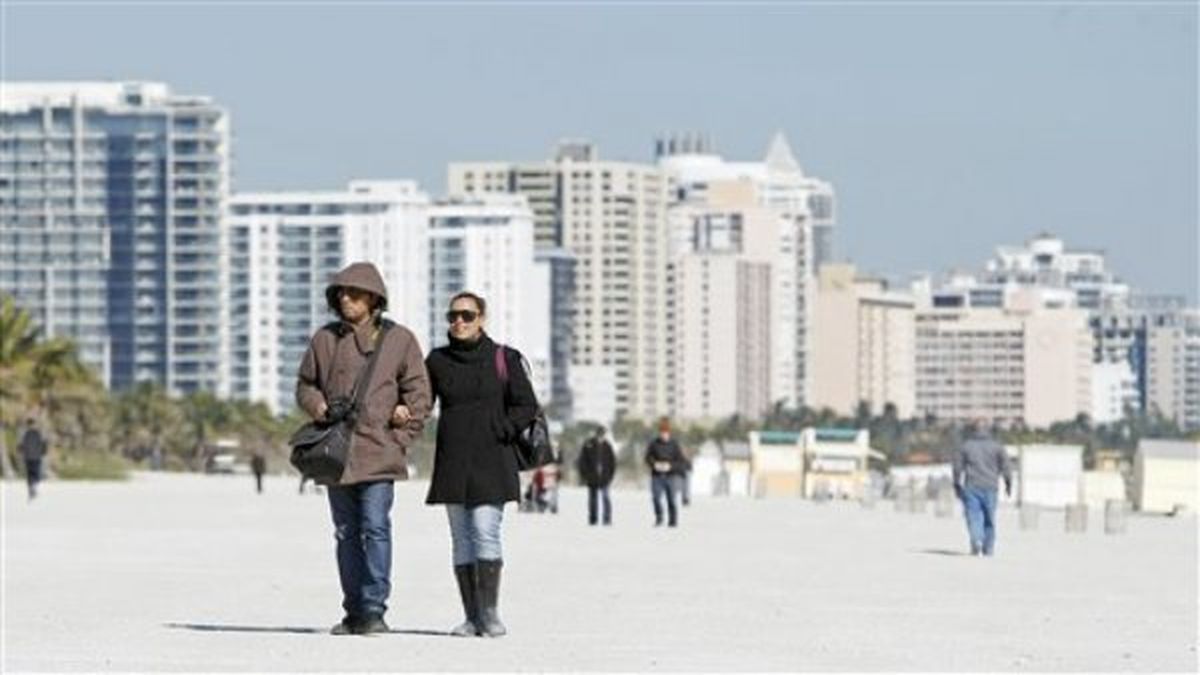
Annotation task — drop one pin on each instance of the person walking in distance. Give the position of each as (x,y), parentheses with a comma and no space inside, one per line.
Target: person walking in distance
(597,464)
(396,401)
(475,464)
(979,464)
(258,464)
(665,460)
(32,447)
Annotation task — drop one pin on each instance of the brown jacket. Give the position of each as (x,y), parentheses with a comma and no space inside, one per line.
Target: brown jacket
(334,358)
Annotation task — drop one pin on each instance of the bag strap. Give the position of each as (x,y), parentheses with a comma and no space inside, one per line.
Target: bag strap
(501,364)
(363,383)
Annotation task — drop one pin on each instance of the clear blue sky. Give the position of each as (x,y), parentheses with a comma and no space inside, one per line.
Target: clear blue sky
(946,129)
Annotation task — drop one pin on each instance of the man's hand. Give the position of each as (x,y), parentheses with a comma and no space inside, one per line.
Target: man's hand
(401,416)
(321,410)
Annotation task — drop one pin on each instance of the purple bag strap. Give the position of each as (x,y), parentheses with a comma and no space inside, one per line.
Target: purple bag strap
(501,365)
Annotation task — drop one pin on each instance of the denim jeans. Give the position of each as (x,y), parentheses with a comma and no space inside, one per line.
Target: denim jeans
(663,485)
(363,529)
(475,532)
(33,475)
(598,501)
(980,507)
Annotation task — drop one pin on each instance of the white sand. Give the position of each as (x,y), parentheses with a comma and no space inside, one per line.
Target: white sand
(200,573)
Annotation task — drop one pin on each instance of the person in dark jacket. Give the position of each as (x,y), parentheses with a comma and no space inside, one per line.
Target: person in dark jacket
(979,464)
(597,464)
(475,465)
(395,404)
(33,450)
(665,460)
(258,465)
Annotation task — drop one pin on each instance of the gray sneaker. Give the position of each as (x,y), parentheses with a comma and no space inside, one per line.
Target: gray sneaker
(347,626)
(372,625)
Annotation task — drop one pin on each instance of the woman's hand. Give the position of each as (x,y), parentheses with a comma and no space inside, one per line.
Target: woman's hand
(401,416)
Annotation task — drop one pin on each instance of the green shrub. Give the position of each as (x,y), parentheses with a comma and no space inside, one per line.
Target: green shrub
(92,466)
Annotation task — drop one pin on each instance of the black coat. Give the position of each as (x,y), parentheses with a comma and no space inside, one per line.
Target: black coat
(32,445)
(475,462)
(666,451)
(597,463)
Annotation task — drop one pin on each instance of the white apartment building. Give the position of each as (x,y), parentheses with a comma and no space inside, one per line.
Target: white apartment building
(284,249)
(1122,334)
(722,336)
(863,344)
(780,213)
(484,244)
(1173,370)
(1009,366)
(611,216)
(1060,277)
(1114,389)
(112,196)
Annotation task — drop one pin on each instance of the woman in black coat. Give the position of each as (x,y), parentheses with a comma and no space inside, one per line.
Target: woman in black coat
(475,465)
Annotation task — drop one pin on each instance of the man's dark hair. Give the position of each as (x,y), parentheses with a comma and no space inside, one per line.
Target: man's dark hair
(480,303)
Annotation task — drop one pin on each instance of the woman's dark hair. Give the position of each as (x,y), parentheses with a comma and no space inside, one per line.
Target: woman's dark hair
(480,303)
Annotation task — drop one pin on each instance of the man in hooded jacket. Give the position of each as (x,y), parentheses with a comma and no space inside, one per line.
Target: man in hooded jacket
(395,404)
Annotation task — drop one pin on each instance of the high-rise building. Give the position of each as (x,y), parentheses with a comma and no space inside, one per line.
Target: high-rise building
(112,197)
(722,336)
(863,344)
(284,249)
(611,217)
(1030,366)
(1114,391)
(723,300)
(775,205)
(1173,369)
(559,264)
(484,244)
(1121,334)
(1044,266)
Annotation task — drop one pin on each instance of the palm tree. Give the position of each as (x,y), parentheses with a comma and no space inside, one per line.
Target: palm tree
(146,419)
(35,374)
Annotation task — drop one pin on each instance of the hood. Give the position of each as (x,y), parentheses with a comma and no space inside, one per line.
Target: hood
(361,275)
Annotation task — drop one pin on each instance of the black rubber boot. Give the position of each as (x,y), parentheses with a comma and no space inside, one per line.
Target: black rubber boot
(488,586)
(466,578)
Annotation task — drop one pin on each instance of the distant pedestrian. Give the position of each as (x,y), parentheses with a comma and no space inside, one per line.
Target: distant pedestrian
(395,403)
(683,480)
(978,465)
(33,448)
(474,463)
(665,460)
(597,464)
(258,464)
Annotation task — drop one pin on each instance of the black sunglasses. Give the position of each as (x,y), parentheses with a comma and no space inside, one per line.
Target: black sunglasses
(467,315)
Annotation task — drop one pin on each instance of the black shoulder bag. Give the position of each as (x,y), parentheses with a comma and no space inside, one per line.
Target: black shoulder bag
(532,445)
(320,448)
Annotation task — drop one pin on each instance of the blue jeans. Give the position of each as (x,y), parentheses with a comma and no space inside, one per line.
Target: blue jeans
(663,485)
(980,507)
(598,501)
(475,532)
(363,529)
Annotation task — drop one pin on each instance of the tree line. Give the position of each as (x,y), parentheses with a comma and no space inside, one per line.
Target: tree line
(98,433)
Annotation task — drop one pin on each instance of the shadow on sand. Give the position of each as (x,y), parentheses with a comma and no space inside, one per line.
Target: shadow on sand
(297,630)
(940,551)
